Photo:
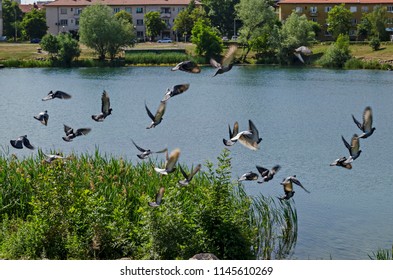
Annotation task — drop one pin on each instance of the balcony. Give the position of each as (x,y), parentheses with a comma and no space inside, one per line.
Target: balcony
(165,15)
(313,13)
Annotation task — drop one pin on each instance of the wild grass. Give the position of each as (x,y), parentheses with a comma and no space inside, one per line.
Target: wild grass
(96,207)
(382,254)
(148,58)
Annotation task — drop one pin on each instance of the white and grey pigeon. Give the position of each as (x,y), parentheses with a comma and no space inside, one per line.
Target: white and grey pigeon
(367,125)
(57,94)
(51,157)
(157,118)
(146,152)
(43,117)
(176,90)
(232,133)
(187,66)
(106,109)
(248,176)
(302,50)
(288,187)
(71,133)
(353,148)
(267,174)
(249,138)
(188,177)
(158,198)
(170,163)
(226,63)
(20,142)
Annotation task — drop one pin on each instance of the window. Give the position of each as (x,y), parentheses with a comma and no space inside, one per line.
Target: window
(327,9)
(63,22)
(139,22)
(389,21)
(354,21)
(78,11)
(165,10)
(77,21)
(389,9)
(353,9)
(139,10)
(298,9)
(128,10)
(63,11)
(364,9)
(313,10)
(116,10)
(139,34)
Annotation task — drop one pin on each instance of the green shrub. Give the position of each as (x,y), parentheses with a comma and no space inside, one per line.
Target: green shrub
(375,43)
(337,54)
(354,63)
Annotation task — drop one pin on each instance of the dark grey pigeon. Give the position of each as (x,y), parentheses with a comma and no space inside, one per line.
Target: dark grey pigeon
(146,152)
(366,125)
(227,61)
(106,109)
(187,66)
(354,148)
(20,142)
(249,176)
(288,186)
(157,118)
(158,198)
(178,89)
(188,177)
(43,117)
(342,161)
(57,94)
(267,174)
(71,133)
(232,133)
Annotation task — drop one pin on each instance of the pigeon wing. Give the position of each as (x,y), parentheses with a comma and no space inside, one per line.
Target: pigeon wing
(297,182)
(214,63)
(27,144)
(367,119)
(151,116)
(82,131)
(68,130)
(105,103)
(357,122)
(139,148)
(229,56)
(16,144)
(62,95)
(263,171)
(195,171)
(160,111)
(179,89)
(346,144)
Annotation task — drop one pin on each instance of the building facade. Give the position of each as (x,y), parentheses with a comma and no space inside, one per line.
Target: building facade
(63,15)
(317,11)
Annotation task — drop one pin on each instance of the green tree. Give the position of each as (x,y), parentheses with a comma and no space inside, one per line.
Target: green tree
(259,19)
(337,54)
(339,20)
(154,24)
(373,24)
(68,49)
(207,41)
(34,24)
(222,14)
(12,17)
(50,44)
(296,31)
(185,20)
(103,32)
(123,15)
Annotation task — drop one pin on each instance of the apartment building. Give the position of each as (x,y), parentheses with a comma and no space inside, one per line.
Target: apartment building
(63,15)
(317,11)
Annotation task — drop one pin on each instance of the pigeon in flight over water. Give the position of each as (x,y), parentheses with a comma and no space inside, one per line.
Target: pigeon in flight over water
(267,174)
(367,124)
(178,89)
(226,63)
(158,199)
(57,94)
(71,133)
(20,142)
(249,138)
(342,161)
(188,177)
(288,187)
(43,117)
(232,133)
(187,66)
(170,163)
(302,51)
(354,148)
(157,118)
(146,152)
(248,176)
(106,109)
(49,158)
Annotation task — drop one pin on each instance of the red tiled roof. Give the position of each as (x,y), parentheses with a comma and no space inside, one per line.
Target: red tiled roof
(25,8)
(65,3)
(335,2)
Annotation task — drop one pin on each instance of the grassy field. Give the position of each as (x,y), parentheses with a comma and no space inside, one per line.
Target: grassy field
(25,51)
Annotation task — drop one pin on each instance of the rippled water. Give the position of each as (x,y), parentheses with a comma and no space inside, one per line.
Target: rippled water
(301,115)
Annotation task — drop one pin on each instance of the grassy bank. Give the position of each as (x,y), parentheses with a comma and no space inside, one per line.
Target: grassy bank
(96,207)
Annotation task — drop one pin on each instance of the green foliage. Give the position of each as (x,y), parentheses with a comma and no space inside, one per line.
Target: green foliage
(68,49)
(354,63)
(222,14)
(123,15)
(375,43)
(156,59)
(50,44)
(373,24)
(382,254)
(103,31)
(154,24)
(12,16)
(185,20)
(339,20)
(94,207)
(337,54)
(207,41)
(296,31)
(34,24)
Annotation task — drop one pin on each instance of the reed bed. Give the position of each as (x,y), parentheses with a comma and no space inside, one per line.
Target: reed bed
(152,58)
(96,207)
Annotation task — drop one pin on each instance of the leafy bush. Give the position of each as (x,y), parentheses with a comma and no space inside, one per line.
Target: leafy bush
(94,207)
(337,54)
(375,43)
(354,63)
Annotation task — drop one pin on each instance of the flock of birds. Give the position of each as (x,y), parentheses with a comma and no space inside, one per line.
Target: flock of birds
(249,138)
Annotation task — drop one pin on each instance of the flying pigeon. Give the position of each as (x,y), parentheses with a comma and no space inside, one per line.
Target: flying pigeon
(170,163)
(49,158)
(178,89)
(187,66)
(249,138)
(302,51)
(146,152)
(188,177)
(71,133)
(43,117)
(342,161)
(20,142)
(354,148)
(232,133)
(367,124)
(157,118)
(226,63)
(158,198)
(106,109)
(267,174)
(248,176)
(57,94)
(288,187)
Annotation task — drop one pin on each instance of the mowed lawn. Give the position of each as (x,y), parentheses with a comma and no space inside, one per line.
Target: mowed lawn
(29,51)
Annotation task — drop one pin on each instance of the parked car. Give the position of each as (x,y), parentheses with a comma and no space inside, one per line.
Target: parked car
(35,40)
(3,38)
(165,40)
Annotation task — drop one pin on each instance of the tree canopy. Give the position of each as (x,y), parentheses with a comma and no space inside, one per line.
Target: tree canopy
(34,24)
(222,14)
(339,20)
(12,17)
(154,24)
(185,20)
(104,32)
(207,41)
(373,24)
